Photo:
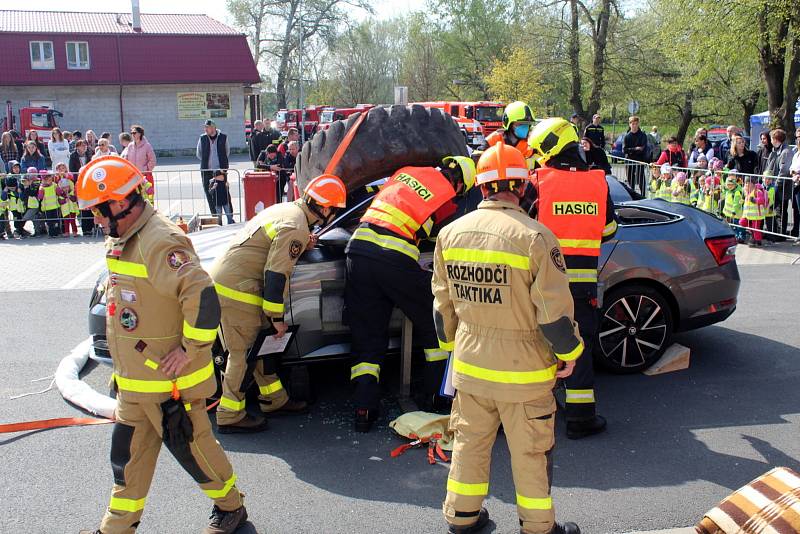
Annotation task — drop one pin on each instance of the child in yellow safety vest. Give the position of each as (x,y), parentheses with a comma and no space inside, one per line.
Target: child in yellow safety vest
(755,208)
(16,205)
(769,187)
(733,202)
(664,191)
(30,197)
(68,201)
(696,183)
(681,189)
(655,174)
(711,194)
(48,196)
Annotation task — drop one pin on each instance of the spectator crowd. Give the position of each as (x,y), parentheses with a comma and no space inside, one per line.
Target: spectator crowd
(37,179)
(752,190)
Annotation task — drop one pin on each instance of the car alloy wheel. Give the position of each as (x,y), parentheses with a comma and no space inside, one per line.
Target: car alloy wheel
(633,331)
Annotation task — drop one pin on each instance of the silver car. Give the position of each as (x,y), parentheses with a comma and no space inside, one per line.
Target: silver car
(669,268)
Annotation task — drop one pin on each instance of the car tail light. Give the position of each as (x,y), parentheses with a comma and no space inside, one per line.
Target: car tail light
(722,248)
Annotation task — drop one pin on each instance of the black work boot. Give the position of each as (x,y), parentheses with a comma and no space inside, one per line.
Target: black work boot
(249,425)
(477,526)
(565,528)
(586,427)
(225,522)
(292,407)
(364,419)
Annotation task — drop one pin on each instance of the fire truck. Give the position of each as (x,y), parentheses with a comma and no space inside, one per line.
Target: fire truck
(291,118)
(476,119)
(41,120)
(331,114)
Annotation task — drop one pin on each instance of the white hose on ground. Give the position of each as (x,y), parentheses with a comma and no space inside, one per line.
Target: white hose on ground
(75,390)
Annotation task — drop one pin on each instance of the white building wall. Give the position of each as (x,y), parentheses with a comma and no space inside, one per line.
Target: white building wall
(155,107)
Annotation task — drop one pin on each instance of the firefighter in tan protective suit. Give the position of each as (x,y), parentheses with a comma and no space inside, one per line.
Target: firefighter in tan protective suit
(162,318)
(251,279)
(502,300)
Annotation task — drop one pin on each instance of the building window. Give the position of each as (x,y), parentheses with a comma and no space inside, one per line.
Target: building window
(42,55)
(77,55)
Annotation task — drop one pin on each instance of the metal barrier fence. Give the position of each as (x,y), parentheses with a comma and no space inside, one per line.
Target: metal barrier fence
(177,193)
(757,203)
(185,193)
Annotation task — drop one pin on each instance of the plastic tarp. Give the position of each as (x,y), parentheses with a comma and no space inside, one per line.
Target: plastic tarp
(75,390)
(760,122)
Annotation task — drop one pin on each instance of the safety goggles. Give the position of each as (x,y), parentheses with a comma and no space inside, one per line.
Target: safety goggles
(97,210)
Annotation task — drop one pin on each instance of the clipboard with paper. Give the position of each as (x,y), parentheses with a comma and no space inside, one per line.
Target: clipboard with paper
(447,389)
(266,346)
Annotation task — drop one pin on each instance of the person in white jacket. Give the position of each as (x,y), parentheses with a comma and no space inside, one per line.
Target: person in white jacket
(58,148)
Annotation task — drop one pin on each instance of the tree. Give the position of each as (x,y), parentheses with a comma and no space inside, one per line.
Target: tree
(365,62)
(517,78)
(769,30)
(778,23)
(421,61)
(276,28)
(472,34)
(598,20)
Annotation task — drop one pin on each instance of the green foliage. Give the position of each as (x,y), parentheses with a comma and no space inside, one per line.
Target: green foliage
(517,78)
(688,62)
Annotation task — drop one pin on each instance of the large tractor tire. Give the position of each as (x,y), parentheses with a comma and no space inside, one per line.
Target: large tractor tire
(390,137)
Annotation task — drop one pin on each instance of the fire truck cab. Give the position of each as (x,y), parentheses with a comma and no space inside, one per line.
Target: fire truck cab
(40,119)
(476,119)
(328,115)
(292,118)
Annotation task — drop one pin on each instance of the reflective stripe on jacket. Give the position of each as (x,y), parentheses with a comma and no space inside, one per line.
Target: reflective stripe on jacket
(253,274)
(755,206)
(733,203)
(577,208)
(681,194)
(401,212)
(502,302)
(664,190)
(49,197)
(159,298)
(15,203)
(573,206)
(408,199)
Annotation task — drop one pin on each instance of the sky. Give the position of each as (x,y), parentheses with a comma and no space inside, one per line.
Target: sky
(384,9)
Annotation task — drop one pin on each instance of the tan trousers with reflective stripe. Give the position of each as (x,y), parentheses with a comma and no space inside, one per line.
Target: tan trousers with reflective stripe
(529,432)
(239,330)
(128,499)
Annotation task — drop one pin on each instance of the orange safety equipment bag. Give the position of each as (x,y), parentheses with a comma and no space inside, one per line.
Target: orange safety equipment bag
(408,199)
(572,204)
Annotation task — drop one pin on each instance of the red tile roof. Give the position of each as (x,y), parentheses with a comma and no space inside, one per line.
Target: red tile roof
(103,23)
(170,49)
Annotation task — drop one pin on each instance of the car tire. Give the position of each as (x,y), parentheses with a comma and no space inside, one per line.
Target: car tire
(634,329)
(390,137)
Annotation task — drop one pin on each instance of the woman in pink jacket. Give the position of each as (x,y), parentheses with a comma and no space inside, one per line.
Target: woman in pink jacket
(140,153)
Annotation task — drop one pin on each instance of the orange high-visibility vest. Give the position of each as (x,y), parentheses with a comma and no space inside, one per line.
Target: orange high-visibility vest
(408,199)
(498,136)
(573,206)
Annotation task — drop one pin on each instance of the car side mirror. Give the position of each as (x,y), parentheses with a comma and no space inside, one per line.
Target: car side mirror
(338,237)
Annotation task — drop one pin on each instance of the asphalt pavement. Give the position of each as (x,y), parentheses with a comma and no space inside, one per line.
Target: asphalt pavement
(676,445)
